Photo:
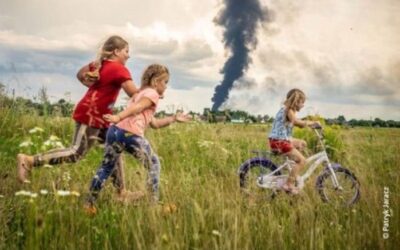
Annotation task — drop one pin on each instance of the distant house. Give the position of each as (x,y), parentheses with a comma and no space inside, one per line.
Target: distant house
(237,120)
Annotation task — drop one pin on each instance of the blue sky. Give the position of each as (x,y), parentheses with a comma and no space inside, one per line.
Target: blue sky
(344,54)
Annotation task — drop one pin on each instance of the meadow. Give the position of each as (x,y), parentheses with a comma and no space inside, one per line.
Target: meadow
(201,204)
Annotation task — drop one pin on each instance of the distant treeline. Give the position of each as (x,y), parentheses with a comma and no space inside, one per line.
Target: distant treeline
(43,107)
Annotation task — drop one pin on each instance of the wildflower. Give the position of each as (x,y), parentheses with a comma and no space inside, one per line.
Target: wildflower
(75,193)
(47,166)
(216,233)
(66,177)
(26,193)
(1,196)
(54,142)
(36,130)
(44,192)
(225,150)
(67,193)
(59,145)
(25,144)
(63,193)
(205,144)
(53,138)
(164,238)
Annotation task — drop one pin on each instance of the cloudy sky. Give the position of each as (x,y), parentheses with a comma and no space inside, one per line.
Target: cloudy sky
(344,54)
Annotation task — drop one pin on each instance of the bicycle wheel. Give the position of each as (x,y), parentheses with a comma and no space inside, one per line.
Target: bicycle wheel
(347,194)
(252,180)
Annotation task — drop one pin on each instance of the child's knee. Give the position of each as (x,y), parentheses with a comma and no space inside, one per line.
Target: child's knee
(299,159)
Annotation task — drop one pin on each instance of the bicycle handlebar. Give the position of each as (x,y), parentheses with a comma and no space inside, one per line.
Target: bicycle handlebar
(317,126)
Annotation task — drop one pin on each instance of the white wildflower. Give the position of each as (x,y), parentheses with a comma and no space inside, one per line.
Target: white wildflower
(47,166)
(36,130)
(205,144)
(44,192)
(75,193)
(66,176)
(225,150)
(68,193)
(216,233)
(63,193)
(26,193)
(54,138)
(25,144)
(53,141)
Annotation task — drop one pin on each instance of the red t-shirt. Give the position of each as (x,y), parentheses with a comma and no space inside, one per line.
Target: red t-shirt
(101,96)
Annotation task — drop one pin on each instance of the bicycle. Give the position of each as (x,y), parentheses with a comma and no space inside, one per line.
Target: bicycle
(334,182)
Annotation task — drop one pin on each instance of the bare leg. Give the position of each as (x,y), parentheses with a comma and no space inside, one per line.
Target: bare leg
(295,155)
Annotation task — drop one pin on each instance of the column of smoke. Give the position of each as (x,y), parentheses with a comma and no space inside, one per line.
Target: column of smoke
(240,19)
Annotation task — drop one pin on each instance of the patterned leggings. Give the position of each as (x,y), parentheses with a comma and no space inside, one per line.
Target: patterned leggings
(118,140)
(83,140)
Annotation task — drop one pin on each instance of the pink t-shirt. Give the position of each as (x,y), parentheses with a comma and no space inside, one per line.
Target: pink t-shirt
(136,124)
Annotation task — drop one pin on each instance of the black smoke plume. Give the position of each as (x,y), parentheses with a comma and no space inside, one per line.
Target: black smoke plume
(240,19)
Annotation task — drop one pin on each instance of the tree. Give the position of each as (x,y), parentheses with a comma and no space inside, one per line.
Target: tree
(341,119)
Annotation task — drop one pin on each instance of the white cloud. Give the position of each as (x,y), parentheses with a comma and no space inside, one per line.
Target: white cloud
(340,52)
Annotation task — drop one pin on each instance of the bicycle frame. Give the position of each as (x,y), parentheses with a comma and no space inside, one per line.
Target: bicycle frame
(273,181)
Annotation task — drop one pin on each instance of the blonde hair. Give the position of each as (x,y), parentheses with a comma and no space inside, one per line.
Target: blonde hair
(293,97)
(107,49)
(105,52)
(152,74)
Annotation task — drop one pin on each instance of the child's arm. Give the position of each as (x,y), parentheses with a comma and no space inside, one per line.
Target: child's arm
(129,88)
(86,77)
(160,123)
(138,107)
(300,123)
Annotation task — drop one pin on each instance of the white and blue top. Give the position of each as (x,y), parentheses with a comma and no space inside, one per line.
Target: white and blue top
(281,129)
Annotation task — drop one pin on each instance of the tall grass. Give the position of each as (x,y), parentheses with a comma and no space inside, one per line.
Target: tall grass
(198,178)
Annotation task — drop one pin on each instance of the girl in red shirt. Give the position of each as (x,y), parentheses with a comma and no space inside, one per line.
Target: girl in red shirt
(104,78)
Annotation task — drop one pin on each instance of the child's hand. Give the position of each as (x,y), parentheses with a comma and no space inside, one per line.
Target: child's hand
(92,76)
(316,125)
(111,118)
(179,117)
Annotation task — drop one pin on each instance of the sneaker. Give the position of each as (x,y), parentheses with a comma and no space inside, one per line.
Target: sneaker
(90,209)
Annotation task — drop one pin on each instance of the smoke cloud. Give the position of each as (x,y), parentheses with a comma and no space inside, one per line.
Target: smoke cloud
(240,19)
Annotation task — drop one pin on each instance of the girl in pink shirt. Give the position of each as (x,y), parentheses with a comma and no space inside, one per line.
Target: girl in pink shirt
(127,133)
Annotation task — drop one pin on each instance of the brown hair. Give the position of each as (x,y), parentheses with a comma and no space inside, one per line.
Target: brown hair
(293,97)
(153,73)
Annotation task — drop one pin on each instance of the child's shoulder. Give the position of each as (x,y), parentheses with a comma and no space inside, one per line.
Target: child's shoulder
(149,92)
(113,64)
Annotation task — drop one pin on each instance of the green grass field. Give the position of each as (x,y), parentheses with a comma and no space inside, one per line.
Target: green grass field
(199,176)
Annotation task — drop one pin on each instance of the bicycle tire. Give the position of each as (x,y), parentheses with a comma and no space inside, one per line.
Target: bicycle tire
(248,168)
(347,180)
